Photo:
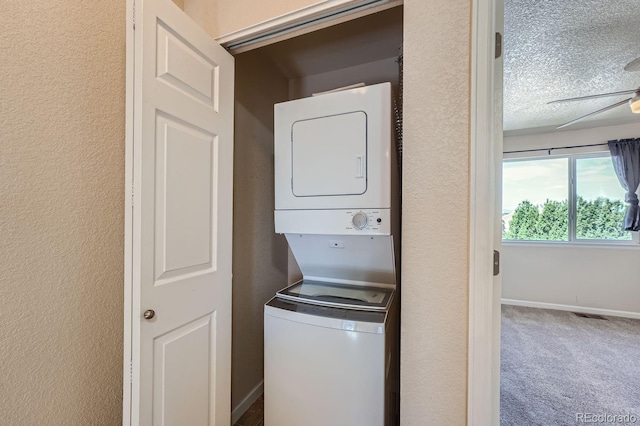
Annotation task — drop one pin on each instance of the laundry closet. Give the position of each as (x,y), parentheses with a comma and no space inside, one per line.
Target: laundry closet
(363,50)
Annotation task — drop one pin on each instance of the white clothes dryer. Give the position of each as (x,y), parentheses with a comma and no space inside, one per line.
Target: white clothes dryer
(334,152)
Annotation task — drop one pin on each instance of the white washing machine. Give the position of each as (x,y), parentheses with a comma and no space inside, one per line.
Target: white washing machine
(329,356)
(331,339)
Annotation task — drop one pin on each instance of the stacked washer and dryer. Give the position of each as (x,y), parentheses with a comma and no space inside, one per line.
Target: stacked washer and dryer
(331,339)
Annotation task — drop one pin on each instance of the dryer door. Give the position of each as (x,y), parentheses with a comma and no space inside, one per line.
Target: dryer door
(329,155)
(333,151)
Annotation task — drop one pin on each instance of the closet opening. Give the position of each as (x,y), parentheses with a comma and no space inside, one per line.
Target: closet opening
(365,50)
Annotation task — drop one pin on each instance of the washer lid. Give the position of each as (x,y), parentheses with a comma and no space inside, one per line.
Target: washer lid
(339,295)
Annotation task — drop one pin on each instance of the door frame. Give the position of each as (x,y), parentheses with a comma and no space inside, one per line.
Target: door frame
(127,376)
(483,397)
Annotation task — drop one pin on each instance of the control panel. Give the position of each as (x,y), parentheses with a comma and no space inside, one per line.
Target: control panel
(336,222)
(365,220)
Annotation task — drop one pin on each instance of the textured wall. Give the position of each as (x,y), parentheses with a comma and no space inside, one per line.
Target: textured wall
(232,15)
(220,17)
(180,3)
(61,212)
(259,254)
(580,275)
(435,212)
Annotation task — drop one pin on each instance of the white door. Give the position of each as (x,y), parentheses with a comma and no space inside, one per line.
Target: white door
(180,158)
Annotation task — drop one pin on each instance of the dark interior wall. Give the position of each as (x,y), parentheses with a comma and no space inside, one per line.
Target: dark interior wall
(259,254)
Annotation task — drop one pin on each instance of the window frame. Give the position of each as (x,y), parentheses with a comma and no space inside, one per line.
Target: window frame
(572,197)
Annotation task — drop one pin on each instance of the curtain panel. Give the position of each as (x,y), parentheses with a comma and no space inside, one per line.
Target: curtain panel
(625,154)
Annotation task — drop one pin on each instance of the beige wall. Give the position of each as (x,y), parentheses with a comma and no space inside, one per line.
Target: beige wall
(233,15)
(220,17)
(259,255)
(435,212)
(61,212)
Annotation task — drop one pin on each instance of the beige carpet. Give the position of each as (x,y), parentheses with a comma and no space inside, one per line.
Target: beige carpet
(558,368)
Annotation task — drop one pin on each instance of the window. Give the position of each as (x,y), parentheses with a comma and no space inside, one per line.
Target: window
(568,198)
(534,199)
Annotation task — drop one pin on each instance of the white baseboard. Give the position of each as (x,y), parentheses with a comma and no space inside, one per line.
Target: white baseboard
(582,309)
(248,400)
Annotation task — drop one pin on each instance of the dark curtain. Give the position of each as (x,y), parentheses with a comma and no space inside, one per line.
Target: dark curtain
(625,154)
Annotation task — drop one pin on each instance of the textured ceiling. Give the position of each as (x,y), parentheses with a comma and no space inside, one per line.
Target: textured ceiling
(557,49)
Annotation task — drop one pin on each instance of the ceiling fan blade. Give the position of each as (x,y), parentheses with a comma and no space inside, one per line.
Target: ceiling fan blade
(603,95)
(617,104)
(633,65)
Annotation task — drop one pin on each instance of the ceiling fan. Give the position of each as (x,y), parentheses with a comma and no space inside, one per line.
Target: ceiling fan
(634,101)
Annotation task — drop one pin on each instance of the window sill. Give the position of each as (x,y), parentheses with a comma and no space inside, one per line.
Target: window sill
(633,245)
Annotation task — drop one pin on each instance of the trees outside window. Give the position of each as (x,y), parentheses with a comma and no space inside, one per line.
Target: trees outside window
(569,198)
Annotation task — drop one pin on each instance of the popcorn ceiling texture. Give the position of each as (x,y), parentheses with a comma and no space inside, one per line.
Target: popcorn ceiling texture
(435,260)
(62,68)
(563,49)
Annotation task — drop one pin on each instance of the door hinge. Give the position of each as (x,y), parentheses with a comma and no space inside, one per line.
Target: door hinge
(498,45)
(133,191)
(130,371)
(134,15)
(496,263)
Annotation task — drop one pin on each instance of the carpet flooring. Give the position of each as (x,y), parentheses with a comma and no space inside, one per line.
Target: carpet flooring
(561,369)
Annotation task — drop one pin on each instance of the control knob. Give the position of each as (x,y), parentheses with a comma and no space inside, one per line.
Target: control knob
(360,220)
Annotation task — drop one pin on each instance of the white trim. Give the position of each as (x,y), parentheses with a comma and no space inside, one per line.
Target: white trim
(482,214)
(617,244)
(247,402)
(132,215)
(571,308)
(307,16)
(128,215)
